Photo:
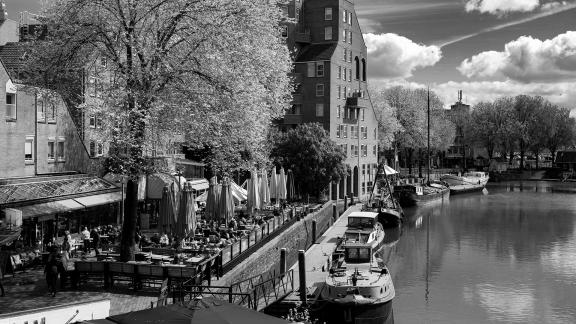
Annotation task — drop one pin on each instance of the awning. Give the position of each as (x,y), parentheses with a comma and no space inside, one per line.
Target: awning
(49,208)
(199,184)
(101,199)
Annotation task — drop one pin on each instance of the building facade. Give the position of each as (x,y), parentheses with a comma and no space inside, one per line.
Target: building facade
(331,87)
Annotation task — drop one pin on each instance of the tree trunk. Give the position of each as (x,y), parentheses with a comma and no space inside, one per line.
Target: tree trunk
(536,153)
(553,153)
(128,243)
(409,161)
(510,157)
(522,152)
(419,162)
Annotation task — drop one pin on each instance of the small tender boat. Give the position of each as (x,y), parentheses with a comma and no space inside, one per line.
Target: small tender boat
(470,181)
(357,289)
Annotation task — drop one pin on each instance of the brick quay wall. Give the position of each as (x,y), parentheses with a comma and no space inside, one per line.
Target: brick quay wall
(297,237)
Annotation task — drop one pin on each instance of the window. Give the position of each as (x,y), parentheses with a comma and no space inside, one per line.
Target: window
(352,130)
(363,69)
(51,150)
(339,72)
(344,96)
(60,150)
(344,35)
(350,36)
(339,91)
(319,110)
(345,53)
(327,13)
(320,90)
(298,88)
(296,109)
(345,131)
(338,130)
(92,149)
(350,57)
(328,33)
(284,31)
(103,62)
(349,75)
(374,133)
(356,150)
(364,150)
(353,150)
(344,16)
(99,122)
(11,106)
(92,121)
(374,150)
(363,169)
(320,69)
(345,149)
(29,149)
(350,17)
(338,111)
(356,132)
(357,65)
(345,74)
(365,136)
(100,149)
(40,115)
(51,113)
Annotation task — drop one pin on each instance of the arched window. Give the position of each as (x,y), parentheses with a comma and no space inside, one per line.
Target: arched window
(357,61)
(363,69)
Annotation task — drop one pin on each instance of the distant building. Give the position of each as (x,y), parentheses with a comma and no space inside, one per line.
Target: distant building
(459,155)
(330,69)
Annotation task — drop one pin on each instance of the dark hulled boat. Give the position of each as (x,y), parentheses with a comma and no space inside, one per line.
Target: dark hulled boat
(417,195)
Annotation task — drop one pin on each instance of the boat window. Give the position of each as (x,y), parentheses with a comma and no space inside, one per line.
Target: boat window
(364,254)
(360,222)
(353,254)
(364,237)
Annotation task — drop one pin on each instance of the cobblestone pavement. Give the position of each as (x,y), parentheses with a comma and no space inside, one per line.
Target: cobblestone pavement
(28,290)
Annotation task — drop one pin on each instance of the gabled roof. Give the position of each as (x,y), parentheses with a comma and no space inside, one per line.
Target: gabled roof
(317,52)
(13,58)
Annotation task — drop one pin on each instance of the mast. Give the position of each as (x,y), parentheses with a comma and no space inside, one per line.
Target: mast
(428,170)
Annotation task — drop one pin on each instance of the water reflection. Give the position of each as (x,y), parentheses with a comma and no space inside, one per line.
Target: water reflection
(505,257)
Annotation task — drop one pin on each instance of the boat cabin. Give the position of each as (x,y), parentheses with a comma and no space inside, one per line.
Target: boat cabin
(357,253)
(362,220)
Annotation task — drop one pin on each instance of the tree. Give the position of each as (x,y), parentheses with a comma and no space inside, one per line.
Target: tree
(215,72)
(558,129)
(526,109)
(313,157)
(388,124)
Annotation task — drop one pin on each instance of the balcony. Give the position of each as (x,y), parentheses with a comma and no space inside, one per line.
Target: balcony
(357,102)
(303,37)
(350,121)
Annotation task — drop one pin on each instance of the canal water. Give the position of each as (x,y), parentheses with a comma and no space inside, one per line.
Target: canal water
(505,256)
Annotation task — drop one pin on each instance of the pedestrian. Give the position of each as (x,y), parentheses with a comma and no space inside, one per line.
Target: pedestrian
(138,238)
(95,240)
(66,248)
(1,286)
(86,238)
(51,271)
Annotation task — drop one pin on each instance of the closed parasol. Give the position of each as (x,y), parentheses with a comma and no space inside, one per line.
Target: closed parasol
(264,190)
(282,184)
(253,201)
(186,213)
(226,205)
(212,200)
(167,211)
(273,184)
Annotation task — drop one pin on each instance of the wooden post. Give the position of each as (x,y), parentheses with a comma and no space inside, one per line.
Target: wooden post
(302,275)
(314,228)
(282,260)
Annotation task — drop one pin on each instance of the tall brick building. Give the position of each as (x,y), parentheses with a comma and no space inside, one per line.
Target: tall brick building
(331,86)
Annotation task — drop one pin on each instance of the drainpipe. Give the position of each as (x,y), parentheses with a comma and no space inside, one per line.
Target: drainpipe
(35,131)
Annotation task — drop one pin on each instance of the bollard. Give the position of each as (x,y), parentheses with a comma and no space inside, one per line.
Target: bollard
(293,212)
(334,212)
(302,276)
(282,260)
(352,200)
(345,202)
(314,228)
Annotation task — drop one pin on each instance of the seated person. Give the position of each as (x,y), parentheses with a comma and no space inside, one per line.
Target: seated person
(164,239)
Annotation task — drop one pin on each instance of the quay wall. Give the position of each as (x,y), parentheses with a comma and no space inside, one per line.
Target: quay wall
(297,237)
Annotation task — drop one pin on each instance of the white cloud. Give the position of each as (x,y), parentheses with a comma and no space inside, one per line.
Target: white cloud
(527,59)
(392,56)
(501,7)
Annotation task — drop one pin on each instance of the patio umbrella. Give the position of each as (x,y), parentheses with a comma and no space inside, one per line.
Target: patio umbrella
(282,185)
(186,212)
(264,190)
(226,205)
(166,215)
(273,184)
(212,200)
(290,191)
(253,201)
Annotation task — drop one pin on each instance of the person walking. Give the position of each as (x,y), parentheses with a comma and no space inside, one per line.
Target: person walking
(95,240)
(51,271)
(86,238)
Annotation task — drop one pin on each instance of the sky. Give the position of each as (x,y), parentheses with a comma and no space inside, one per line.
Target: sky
(487,48)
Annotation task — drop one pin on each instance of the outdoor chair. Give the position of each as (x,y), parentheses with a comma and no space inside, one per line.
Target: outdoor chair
(150,275)
(16,263)
(89,271)
(121,272)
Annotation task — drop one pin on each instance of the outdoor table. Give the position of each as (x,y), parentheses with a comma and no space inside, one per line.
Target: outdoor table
(196,259)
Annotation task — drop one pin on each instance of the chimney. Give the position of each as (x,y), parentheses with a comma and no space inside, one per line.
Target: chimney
(460,96)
